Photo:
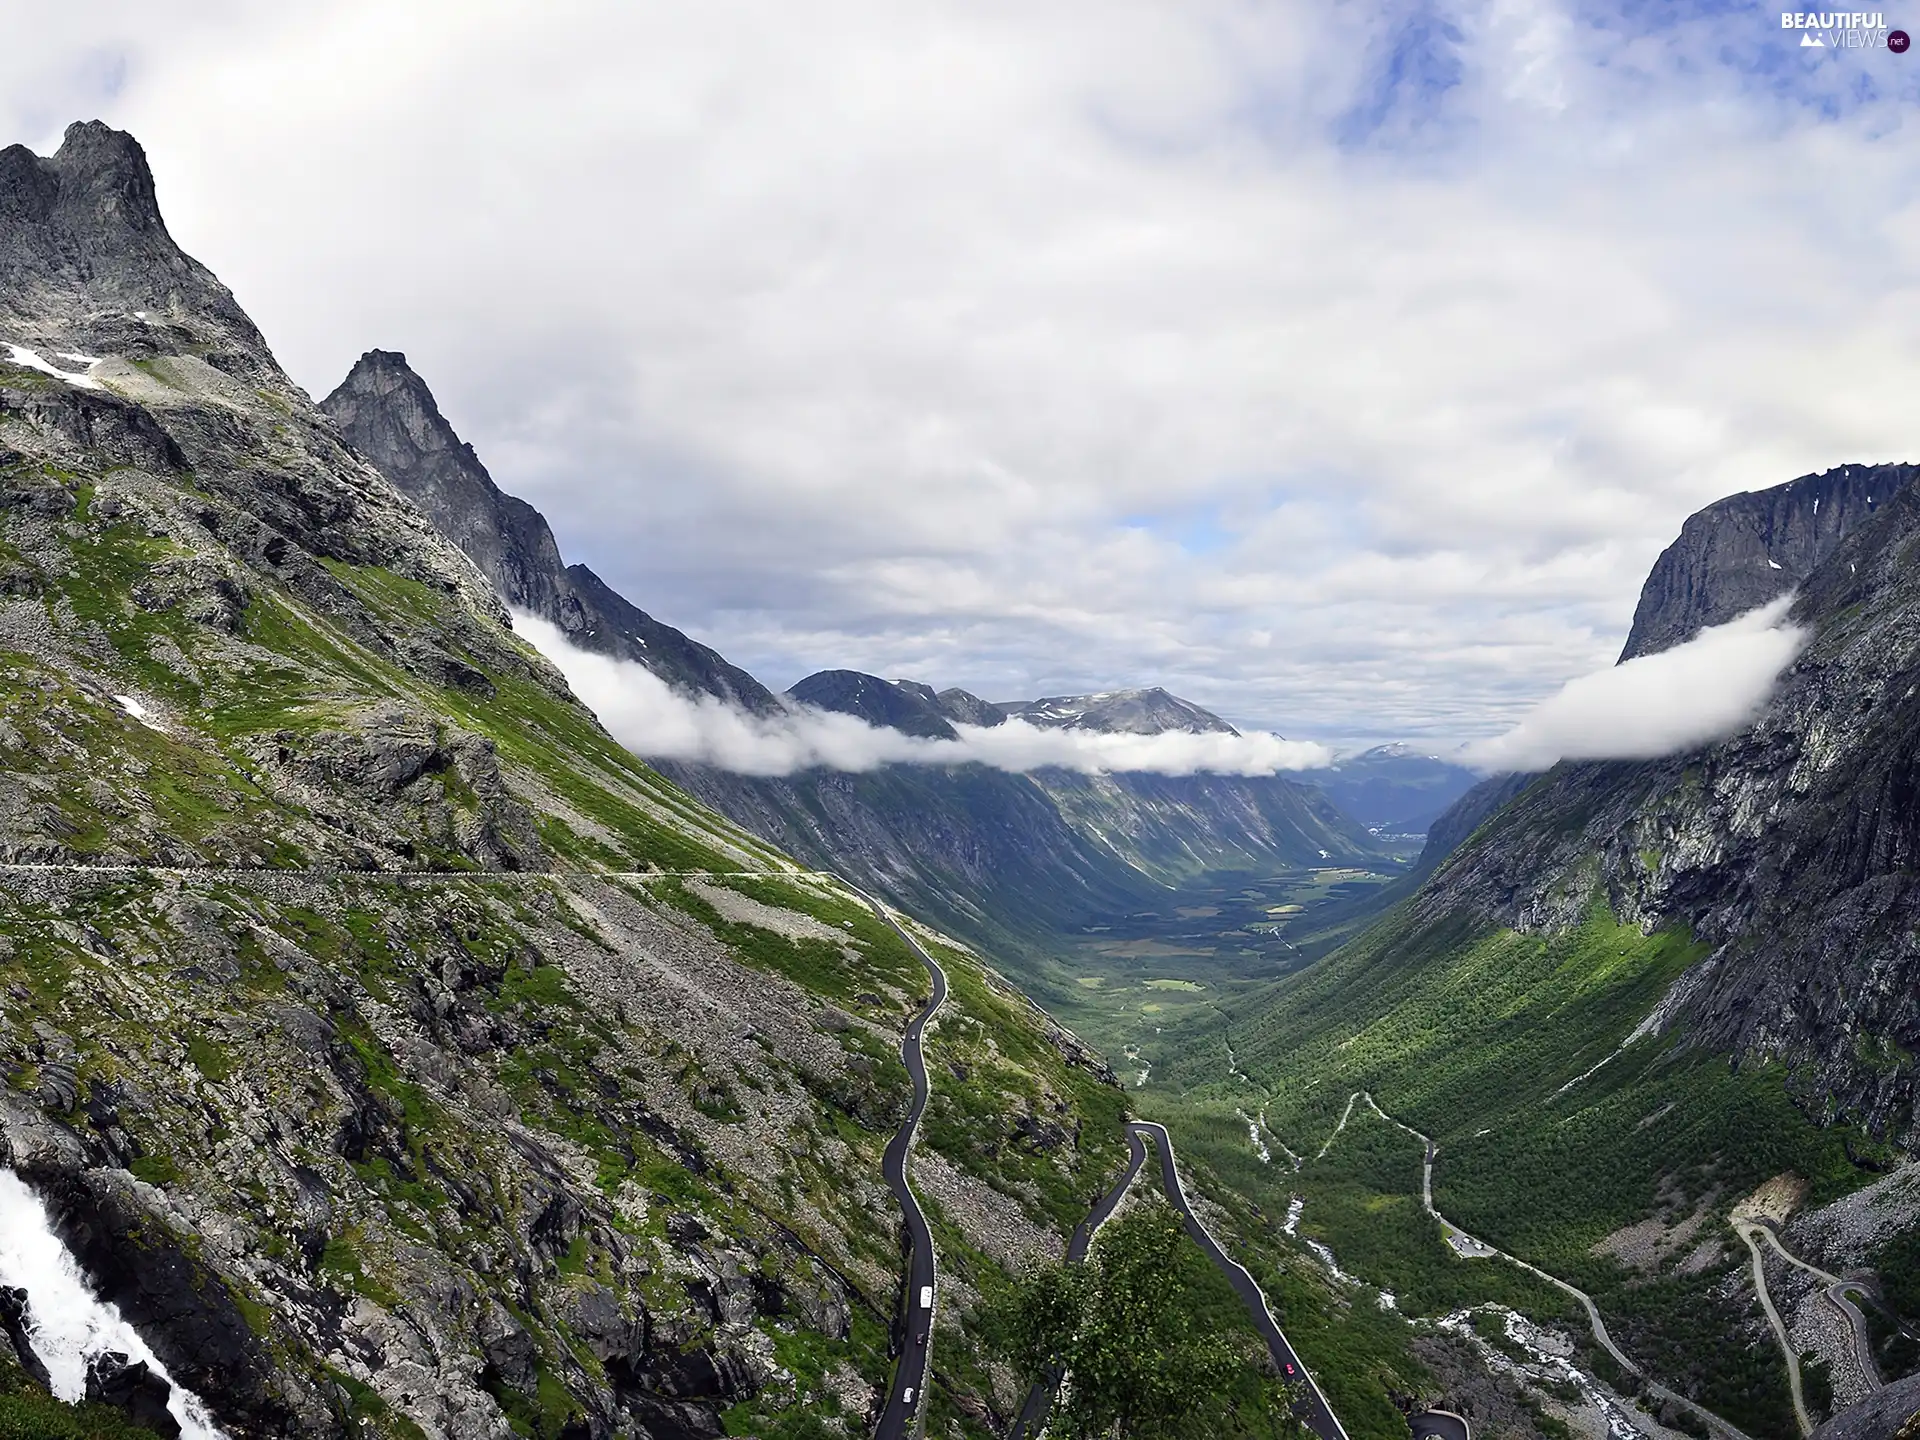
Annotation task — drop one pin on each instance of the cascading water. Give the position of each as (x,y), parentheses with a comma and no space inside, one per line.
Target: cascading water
(69,1323)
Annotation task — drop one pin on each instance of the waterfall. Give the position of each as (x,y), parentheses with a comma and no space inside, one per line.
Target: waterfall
(69,1324)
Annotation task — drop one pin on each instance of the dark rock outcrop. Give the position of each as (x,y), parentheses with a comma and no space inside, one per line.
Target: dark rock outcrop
(134,1390)
(965,708)
(1747,549)
(391,417)
(1889,1414)
(15,1316)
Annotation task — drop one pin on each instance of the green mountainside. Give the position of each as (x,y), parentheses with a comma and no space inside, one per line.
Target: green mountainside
(397,1051)
(1636,995)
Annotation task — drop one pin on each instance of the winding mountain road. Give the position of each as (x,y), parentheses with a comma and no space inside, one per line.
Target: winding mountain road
(1836,1293)
(1478,1248)
(1033,1415)
(908,1391)
(1800,1415)
(1314,1408)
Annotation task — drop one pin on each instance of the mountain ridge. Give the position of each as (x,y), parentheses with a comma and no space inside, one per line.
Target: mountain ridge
(1001,858)
(386,410)
(398,1053)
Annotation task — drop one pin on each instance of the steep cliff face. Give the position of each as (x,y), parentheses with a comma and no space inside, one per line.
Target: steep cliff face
(1743,551)
(1790,848)
(401,1054)
(390,416)
(1635,993)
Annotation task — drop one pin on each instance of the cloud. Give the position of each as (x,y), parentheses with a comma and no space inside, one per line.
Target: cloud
(1712,687)
(653,720)
(912,337)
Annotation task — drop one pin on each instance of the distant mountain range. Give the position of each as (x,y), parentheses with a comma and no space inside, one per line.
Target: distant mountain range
(993,854)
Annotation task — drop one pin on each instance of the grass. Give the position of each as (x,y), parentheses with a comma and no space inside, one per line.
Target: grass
(423,1001)
(1478,1038)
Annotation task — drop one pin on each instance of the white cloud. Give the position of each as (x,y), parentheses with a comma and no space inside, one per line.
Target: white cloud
(916,337)
(1712,687)
(651,719)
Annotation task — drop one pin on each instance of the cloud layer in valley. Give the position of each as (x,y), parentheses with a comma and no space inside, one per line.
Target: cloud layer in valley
(1342,367)
(1705,690)
(650,718)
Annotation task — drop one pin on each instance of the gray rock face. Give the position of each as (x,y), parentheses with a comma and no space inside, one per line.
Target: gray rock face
(965,708)
(1743,551)
(83,251)
(1891,1414)
(1792,848)
(390,416)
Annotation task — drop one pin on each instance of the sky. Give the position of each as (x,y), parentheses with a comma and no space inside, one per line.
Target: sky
(1342,367)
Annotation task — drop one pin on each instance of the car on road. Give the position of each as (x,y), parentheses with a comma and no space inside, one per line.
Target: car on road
(907,1398)
(926,1297)
(1291,1372)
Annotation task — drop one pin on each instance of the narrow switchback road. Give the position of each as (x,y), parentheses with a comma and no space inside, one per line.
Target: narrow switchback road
(1314,1408)
(1033,1415)
(1800,1414)
(1478,1248)
(1836,1293)
(908,1392)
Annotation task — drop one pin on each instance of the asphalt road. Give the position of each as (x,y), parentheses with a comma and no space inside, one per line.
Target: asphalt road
(911,1369)
(1836,1292)
(1314,1408)
(1033,1414)
(1779,1328)
(1721,1429)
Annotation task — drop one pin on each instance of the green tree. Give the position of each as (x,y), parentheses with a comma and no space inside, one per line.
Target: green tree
(1123,1331)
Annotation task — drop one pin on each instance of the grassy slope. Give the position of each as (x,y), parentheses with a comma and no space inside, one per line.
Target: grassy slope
(1467,1035)
(114,788)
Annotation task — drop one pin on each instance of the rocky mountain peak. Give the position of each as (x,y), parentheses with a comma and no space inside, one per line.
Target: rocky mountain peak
(902,705)
(388,413)
(86,260)
(383,383)
(1149,711)
(104,172)
(1741,552)
(97,185)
